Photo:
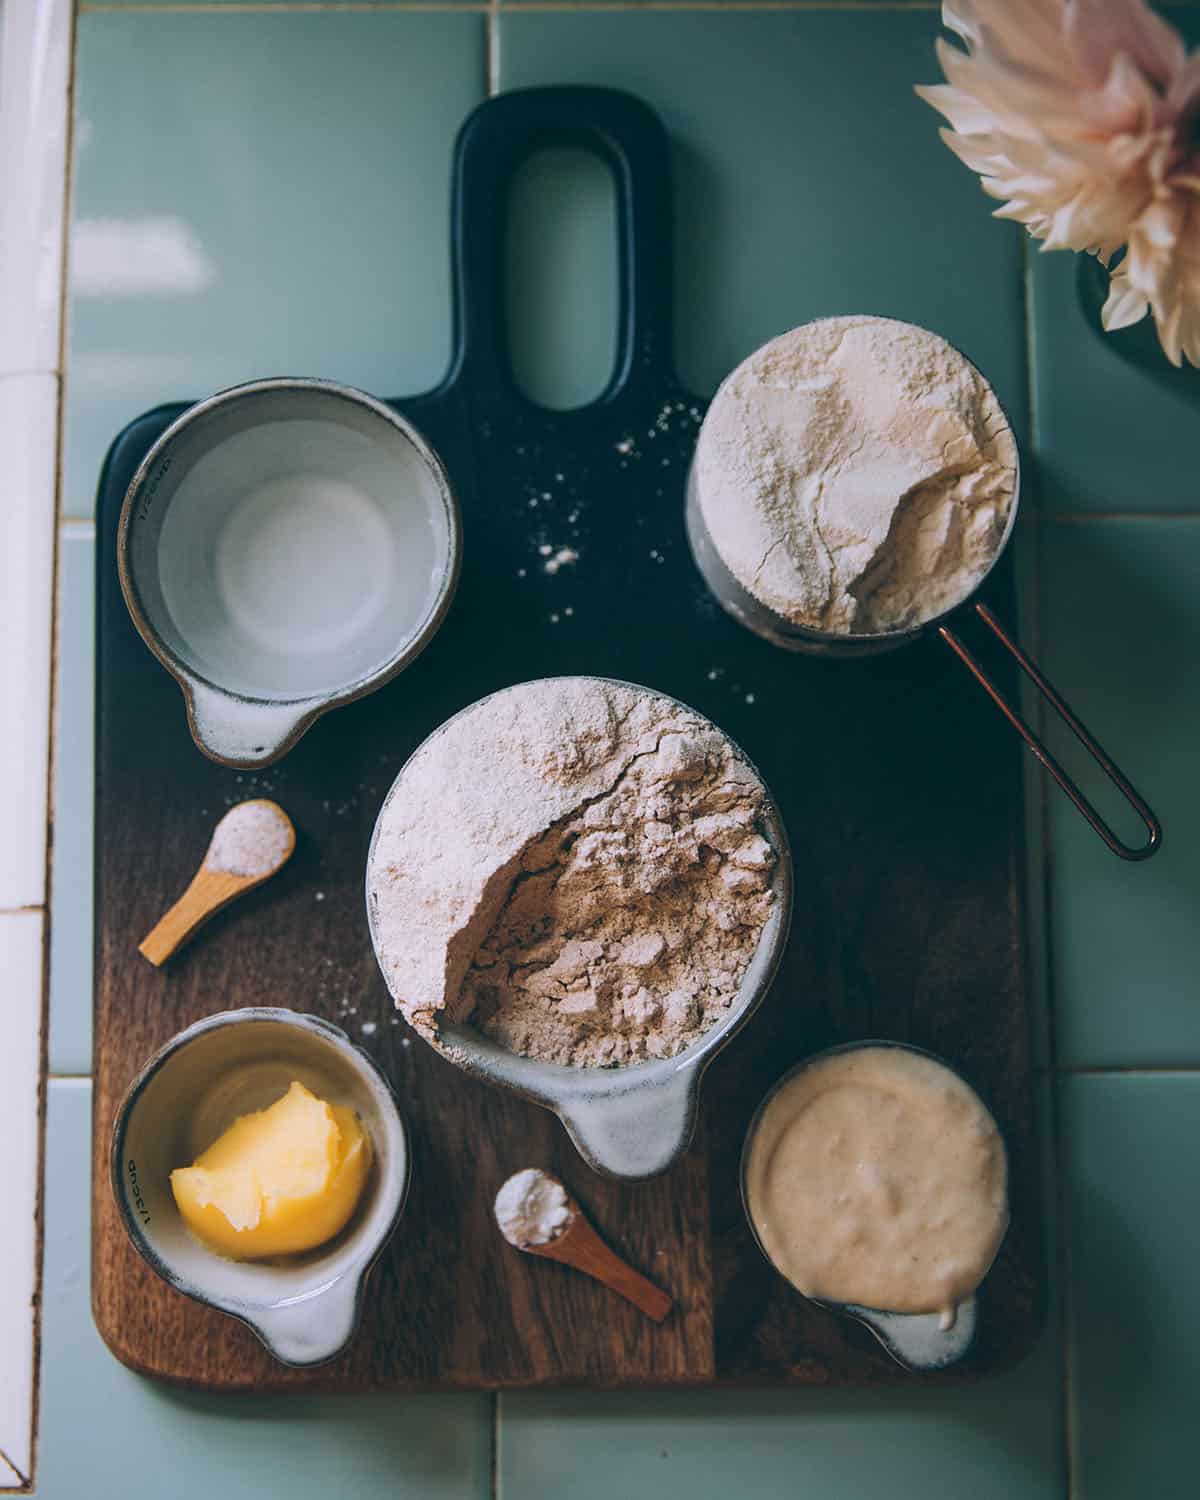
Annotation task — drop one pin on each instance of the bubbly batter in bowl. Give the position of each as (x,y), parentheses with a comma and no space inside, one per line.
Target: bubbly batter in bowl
(875,1177)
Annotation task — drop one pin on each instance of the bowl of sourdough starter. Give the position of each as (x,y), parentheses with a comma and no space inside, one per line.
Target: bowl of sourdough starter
(580,889)
(876,1181)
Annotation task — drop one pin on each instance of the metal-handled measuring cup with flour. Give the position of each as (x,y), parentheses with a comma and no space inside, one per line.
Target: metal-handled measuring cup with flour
(854,483)
(285,547)
(579,890)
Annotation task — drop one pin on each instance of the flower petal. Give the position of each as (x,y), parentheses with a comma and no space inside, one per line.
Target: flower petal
(1098,30)
(1126,102)
(1183,97)
(1021,33)
(1078,117)
(1166,323)
(964,112)
(1123,306)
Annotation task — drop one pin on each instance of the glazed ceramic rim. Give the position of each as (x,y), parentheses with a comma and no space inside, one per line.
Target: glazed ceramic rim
(362,1063)
(849,1309)
(695,1058)
(359,687)
(854,644)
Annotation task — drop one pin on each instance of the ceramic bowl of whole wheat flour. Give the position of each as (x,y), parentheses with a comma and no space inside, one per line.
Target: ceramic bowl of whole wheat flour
(580,889)
(855,483)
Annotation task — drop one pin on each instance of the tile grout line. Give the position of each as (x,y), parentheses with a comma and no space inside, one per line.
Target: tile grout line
(874,7)
(1064,1261)
(43,1090)
(1060,1261)
(367,7)
(1083,517)
(39,1201)
(285,7)
(1057,1257)
(493,49)
(83,527)
(26,1482)
(1029,309)
(1115,1070)
(1125,1070)
(495,1487)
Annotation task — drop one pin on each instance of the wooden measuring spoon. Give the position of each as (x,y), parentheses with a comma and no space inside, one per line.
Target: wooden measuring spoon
(252,842)
(577,1244)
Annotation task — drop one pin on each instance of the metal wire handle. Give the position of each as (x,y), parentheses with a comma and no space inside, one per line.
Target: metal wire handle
(1081,733)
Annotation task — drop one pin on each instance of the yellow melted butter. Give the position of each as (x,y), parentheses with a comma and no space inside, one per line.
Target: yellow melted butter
(279,1181)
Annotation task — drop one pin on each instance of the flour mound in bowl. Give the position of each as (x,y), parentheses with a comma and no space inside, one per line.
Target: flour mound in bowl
(578,868)
(856,475)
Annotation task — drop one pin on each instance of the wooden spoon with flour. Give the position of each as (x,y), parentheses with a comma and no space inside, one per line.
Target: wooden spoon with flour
(252,842)
(537,1214)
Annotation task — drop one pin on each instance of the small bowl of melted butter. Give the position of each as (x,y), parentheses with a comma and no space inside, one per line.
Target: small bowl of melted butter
(876,1181)
(259,1164)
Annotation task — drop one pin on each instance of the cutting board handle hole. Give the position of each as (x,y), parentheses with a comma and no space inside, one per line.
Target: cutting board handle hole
(561,275)
(536,172)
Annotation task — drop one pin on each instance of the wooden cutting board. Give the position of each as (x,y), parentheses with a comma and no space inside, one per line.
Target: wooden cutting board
(900,786)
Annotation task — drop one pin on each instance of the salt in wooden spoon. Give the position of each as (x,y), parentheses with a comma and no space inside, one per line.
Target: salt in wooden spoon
(537,1214)
(251,843)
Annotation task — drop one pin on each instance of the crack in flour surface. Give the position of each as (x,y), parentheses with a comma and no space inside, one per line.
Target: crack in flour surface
(578,868)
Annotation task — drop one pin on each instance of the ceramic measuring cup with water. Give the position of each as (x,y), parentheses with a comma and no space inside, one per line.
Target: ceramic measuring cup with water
(751,612)
(285,547)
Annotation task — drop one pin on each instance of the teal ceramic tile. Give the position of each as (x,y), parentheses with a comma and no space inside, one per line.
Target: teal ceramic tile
(362,5)
(71,868)
(858,5)
(1133,1200)
(991,1441)
(562,277)
(258,193)
(106,1432)
(1121,621)
(1045,1103)
(1113,431)
(1027,547)
(793,199)
(1112,435)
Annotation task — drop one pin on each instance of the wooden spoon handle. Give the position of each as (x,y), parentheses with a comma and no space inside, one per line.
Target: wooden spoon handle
(590,1254)
(209,891)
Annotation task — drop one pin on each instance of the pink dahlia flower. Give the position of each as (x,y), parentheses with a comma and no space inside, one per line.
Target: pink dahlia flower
(1080,115)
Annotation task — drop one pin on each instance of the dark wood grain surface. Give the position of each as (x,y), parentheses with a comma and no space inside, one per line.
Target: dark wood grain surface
(901,790)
